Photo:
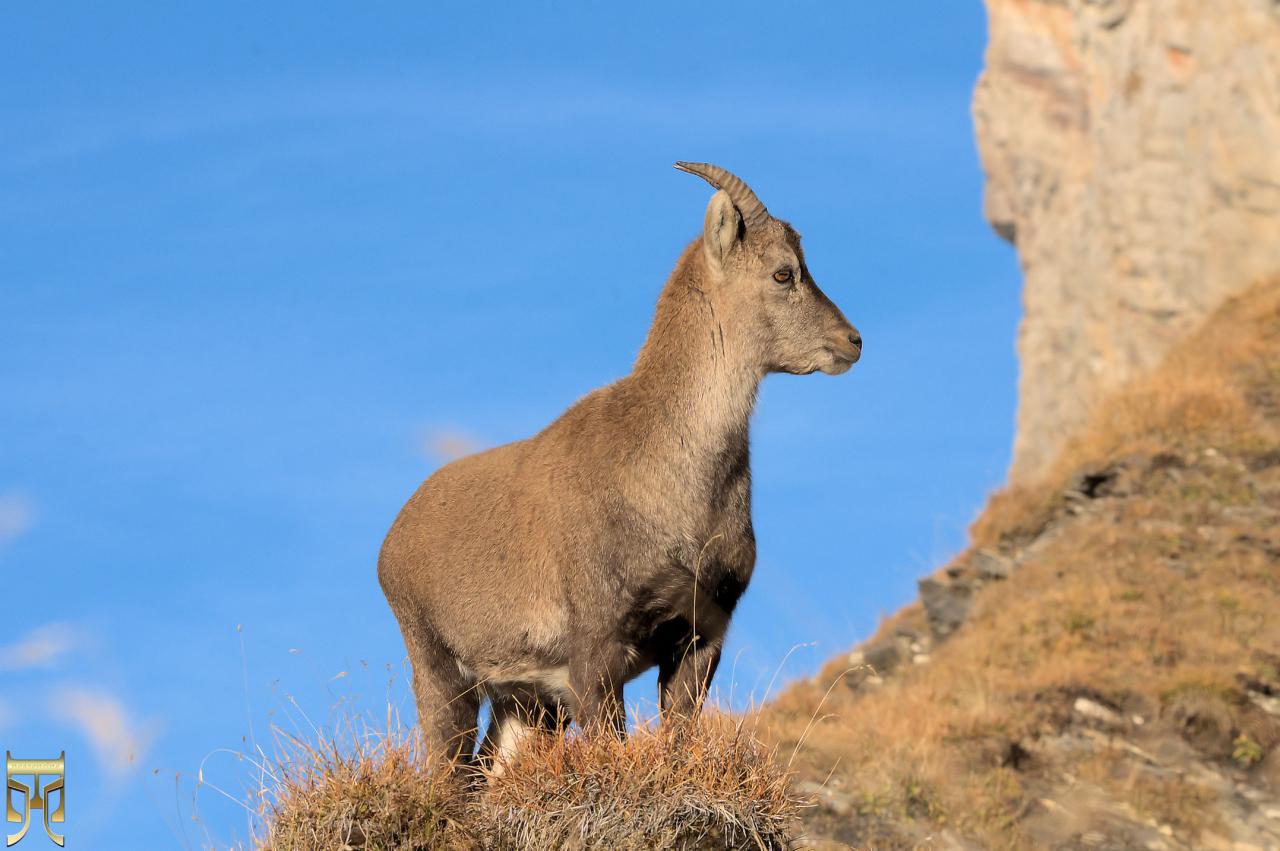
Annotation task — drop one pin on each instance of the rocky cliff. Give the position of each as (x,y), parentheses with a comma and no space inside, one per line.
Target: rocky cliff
(1132,154)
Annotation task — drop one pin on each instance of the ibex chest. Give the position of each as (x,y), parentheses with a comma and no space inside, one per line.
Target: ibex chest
(696,580)
(691,547)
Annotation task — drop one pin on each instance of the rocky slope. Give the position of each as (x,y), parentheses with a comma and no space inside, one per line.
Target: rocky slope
(1132,153)
(1102,669)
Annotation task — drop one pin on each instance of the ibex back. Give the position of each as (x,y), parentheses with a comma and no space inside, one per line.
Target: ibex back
(545,574)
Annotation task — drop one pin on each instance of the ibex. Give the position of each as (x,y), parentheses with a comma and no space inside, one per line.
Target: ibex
(546,573)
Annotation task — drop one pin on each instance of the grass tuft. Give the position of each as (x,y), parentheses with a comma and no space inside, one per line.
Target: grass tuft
(712,786)
(363,789)
(707,786)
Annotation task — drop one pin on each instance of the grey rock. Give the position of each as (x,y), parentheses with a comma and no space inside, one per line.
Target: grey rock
(909,633)
(824,796)
(885,655)
(1204,722)
(990,566)
(1261,516)
(1094,711)
(947,604)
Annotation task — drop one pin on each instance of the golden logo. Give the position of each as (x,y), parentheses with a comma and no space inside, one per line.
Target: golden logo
(34,797)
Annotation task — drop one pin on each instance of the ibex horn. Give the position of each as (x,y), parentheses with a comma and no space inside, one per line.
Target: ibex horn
(752,209)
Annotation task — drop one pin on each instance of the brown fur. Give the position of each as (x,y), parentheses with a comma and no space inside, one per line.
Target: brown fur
(546,573)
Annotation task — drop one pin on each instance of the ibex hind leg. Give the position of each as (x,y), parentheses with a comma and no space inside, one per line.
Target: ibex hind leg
(448,700)
(512,718)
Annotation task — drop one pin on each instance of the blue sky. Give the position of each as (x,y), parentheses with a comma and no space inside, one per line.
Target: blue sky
(261,268)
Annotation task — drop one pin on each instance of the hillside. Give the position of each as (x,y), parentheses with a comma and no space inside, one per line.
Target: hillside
(1102,668)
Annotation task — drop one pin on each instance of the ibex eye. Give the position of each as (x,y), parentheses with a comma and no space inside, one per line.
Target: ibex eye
(782,276)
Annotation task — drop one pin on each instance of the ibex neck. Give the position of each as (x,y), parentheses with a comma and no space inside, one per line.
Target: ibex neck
(699,393)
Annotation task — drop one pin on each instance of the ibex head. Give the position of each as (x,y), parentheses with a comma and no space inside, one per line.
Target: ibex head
(781,321)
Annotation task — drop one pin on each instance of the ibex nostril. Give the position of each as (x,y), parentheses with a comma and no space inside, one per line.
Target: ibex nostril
(856,339)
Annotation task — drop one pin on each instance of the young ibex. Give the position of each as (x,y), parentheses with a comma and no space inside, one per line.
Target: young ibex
(546,573)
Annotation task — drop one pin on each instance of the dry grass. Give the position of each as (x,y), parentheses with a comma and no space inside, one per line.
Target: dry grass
(1199,395)
(712,786)
(1204,394)
(363,789)
(1163,592)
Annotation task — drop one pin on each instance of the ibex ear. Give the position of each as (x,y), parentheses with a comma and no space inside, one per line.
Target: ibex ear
(720,228)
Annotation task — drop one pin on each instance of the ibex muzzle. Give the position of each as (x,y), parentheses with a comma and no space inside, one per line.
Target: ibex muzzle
(544,574)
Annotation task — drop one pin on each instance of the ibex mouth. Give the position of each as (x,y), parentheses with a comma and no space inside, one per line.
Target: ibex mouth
(841,361)
(849,356)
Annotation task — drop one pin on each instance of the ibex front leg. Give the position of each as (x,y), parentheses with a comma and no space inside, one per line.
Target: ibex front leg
(684,677)
(595,679)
